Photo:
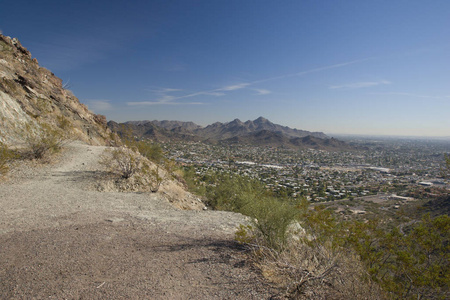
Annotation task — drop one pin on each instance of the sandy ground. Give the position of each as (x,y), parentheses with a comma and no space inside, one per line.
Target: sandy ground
(60,239)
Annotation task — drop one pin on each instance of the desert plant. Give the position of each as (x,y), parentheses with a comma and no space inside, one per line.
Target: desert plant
(6,155)
(271,218)
(152,151)
(41,143)
(131,166)
(411,265)
(122,161)
(303,270)
(307,272)
(156,177)
(233,192)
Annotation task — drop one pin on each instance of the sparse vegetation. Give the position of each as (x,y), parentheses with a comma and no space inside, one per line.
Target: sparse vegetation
(6,155)
(122,161)
(142,158)
(156,178)
(39,143)
(312,253)
(133,169)
(311,262)
(44,142)
(409,265)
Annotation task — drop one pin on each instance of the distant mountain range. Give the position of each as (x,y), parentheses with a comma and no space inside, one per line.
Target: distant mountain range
(259,132)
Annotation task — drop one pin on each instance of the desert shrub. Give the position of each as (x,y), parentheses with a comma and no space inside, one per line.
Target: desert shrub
(155,175)
(41,143)
(6,155)
(410,265)
(305,270)
(232,192)
(192,182)
(152,151)
(122,161)
(310,272)
(271,218)
(133,168)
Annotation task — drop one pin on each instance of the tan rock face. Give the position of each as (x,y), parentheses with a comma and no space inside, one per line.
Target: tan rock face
(30,94)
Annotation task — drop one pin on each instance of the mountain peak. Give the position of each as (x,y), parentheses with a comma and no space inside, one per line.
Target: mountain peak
(261,120)
(236,121)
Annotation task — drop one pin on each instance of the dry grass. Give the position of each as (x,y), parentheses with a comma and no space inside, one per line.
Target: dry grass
(5,156)
(304,269)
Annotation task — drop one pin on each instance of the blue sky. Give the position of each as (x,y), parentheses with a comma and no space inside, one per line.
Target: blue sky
(354,67)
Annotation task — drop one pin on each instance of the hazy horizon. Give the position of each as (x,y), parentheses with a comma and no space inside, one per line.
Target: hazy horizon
(332,134)
(348,68)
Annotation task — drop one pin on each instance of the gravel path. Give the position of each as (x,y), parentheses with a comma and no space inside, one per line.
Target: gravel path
(61,239)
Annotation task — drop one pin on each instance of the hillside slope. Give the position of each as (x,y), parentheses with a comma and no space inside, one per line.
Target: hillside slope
(31,95)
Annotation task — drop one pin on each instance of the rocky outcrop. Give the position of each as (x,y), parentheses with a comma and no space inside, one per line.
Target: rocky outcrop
(31,95)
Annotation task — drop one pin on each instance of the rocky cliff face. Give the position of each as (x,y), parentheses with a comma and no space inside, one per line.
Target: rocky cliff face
(31,96)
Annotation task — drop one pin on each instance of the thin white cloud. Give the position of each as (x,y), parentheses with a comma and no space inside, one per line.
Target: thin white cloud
(162,90)
(315,70)
(99,105)
(234,87)
(217,94)
(222,91)
(169,90)
(166,98)
(262,92)
(359,85)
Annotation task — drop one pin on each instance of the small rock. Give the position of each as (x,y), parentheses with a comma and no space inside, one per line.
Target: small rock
(115,220)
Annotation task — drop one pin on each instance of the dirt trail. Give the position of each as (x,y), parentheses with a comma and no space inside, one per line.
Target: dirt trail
(60,239)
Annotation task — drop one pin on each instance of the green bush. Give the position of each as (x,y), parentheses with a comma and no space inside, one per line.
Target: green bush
(233,192)
(410,265)
(271,217)
(152,151)
(193,184)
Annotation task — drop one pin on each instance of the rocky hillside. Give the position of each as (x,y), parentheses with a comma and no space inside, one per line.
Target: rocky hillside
(32,96)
